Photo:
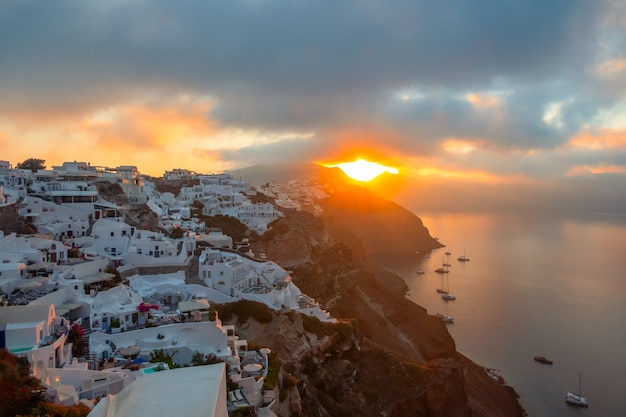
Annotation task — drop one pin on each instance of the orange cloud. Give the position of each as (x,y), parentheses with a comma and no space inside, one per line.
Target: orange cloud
(611,68)
(603,139)
(596,169)
(482,100)
(473,175)
(144,127)
(151,135)
(459,146)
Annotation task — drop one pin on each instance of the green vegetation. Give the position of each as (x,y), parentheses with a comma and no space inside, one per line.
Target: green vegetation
(244,310)
(161,355)
(272,371)
(33,164)
(199,359)
(22,394)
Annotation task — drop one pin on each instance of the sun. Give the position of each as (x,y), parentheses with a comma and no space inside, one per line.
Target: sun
(362,170)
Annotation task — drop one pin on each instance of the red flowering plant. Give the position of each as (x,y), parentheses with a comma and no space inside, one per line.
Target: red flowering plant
(75,336)
(146,307)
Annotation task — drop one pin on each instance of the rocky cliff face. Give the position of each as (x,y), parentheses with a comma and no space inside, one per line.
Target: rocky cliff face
(387,356)
(10,222)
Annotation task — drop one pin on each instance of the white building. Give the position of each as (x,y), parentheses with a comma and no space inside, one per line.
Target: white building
(236,277)
(198,391)
(35,332)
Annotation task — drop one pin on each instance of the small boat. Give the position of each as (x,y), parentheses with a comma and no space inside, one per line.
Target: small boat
(543,359)
(441,291)
(448,253)
(463,258)
(445,318)
(446,296)
(577,399)
(420,272)
(441,270)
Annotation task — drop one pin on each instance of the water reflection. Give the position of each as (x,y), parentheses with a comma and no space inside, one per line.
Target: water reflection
(535,286)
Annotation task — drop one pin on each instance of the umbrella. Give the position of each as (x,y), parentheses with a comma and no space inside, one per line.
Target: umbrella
(129,351)
(252,367)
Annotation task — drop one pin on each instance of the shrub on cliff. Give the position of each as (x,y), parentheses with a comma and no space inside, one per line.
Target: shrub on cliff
(243,310)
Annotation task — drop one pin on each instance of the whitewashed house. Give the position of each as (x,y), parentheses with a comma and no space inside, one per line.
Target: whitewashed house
(237,277)
(111,238)
(34,331)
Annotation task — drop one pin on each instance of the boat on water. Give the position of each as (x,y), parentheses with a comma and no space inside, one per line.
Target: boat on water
(442,270)
(420,271)
(445,318)
(543,359)
(446,296)
(577,399)
(448,253)
(441,291)
(463,258)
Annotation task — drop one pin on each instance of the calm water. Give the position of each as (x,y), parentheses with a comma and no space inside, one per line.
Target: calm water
(535,286)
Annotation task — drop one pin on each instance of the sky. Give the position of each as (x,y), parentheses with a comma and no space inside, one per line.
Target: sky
(517,103)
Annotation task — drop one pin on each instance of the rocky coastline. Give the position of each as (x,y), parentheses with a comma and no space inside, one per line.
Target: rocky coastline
(387,356)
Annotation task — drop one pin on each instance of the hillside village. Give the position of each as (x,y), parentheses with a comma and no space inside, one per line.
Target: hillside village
(94,303)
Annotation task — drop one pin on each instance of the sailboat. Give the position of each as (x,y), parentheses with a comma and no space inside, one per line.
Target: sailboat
(462,258)
(447,296)
(447,261)
(443,269)
(445,318)
(442,290)
(577,399)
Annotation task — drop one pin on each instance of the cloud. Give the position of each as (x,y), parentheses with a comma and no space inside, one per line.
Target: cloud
(486,89)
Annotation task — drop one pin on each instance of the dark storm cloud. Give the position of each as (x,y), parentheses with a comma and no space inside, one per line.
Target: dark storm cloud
(69,51)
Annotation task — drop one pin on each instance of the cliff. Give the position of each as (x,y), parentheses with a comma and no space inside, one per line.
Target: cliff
(387,356)
(10,222)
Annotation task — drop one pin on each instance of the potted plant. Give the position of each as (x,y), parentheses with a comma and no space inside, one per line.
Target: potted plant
(115,325)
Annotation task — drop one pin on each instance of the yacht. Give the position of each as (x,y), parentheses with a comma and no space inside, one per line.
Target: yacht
(445,318)
(577,399)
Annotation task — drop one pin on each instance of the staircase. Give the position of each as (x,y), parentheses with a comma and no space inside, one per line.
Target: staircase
(85,354)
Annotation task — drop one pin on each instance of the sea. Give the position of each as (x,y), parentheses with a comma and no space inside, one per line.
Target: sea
(534,285)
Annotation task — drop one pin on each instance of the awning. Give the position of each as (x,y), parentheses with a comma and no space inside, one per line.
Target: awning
(99,277)
(187,306)
(24,284)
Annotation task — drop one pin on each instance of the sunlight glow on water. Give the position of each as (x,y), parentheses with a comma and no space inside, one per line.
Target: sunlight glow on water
(535,286)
